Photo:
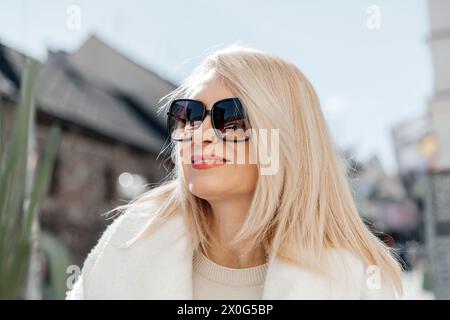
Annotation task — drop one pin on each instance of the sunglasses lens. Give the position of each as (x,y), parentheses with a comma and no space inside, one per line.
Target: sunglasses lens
(184,117)
(230,120)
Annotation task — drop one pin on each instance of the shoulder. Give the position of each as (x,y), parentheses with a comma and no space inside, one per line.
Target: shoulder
(338,275)
(350,268)
(124,228)
(76,291)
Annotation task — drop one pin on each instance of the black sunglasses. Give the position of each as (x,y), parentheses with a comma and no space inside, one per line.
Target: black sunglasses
(228,119)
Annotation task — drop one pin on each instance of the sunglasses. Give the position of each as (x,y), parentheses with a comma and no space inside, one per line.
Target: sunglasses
(228,119)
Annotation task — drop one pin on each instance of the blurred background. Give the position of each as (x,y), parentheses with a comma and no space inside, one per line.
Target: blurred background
(97,70)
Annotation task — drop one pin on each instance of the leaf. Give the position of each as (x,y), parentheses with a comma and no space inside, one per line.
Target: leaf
(42,178)
(16,212)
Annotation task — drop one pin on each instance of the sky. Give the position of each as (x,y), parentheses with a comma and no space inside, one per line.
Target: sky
(368,60)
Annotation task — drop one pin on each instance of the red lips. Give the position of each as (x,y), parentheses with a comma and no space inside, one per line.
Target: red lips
(207,161)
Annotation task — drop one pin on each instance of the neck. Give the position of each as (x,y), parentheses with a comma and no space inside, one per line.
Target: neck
(228,215)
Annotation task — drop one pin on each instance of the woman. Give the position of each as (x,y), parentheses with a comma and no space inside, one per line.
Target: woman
(257,206)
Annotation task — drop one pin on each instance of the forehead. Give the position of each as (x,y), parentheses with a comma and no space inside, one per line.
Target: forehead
(211,88)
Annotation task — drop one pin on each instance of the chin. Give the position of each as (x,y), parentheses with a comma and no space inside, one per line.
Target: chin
(206,187)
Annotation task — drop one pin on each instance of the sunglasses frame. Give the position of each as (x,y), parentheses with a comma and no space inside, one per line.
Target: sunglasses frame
(205,113)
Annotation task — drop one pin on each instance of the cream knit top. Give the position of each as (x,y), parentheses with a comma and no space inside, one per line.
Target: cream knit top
(212,281)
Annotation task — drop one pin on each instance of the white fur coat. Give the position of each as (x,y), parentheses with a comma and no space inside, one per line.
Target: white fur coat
(159,266)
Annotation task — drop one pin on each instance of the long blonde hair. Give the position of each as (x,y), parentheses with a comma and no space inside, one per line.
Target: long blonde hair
(307,206)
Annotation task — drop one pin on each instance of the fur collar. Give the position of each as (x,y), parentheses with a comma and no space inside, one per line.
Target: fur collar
(159,266)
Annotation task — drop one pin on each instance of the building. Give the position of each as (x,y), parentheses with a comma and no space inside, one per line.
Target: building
(436,183)
(107,107)
(439,105)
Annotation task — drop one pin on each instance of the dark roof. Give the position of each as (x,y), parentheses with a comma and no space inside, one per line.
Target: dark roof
(108,68)
(66,93)
(11,63)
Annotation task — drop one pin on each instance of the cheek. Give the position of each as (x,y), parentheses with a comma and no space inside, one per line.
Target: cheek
(182,149)
(248,176)
(184,153)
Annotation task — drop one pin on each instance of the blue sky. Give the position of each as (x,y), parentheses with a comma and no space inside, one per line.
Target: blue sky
(367,80)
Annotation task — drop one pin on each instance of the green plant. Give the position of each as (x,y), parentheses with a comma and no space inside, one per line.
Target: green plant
(58,259)
(20,191)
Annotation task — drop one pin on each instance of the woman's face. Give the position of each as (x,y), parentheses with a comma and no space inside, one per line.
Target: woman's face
(238,175)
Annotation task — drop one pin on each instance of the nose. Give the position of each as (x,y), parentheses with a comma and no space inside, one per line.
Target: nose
(205,132)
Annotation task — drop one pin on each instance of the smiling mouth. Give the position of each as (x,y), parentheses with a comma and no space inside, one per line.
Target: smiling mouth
(200,162)
(208,161)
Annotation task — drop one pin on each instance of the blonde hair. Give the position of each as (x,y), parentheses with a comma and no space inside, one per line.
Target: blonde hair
(307,206)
